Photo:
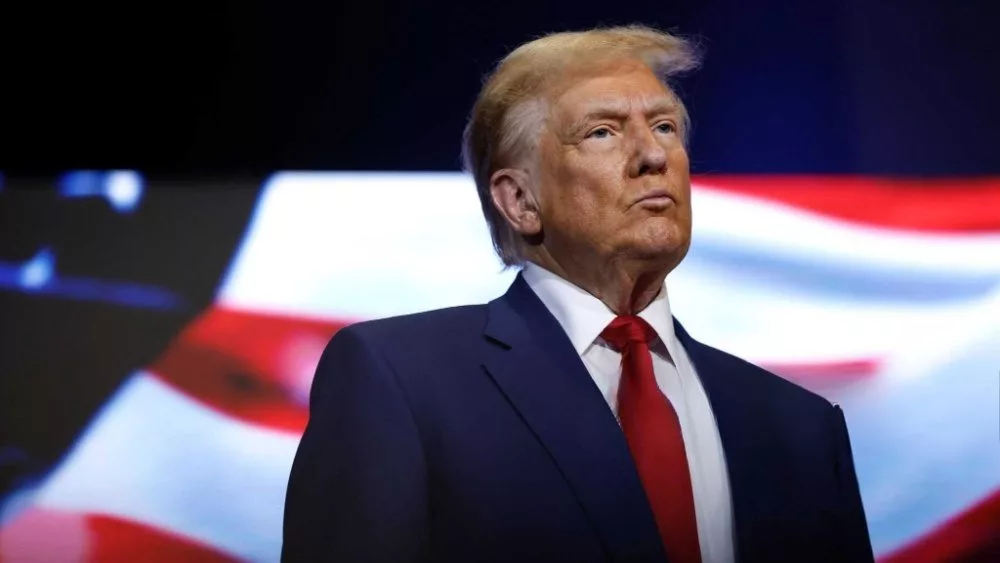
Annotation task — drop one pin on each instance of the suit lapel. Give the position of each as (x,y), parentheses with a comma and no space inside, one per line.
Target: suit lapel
(533,362)
(732,407)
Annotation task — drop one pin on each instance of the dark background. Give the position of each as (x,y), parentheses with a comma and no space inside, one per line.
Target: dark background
(906,87)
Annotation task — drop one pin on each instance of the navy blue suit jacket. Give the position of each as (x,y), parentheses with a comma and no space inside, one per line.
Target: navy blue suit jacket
(476,434)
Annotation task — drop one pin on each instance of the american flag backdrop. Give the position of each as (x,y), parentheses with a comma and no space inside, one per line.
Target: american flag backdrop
(881,294)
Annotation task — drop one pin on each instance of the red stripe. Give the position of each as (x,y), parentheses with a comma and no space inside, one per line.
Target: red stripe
(824,377)
(952,205)
(54,535)
(970,537)
(846,368)
(115,539)
(253,366)
(45,535)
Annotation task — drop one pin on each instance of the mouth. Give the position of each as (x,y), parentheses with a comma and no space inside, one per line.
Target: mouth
(656,199)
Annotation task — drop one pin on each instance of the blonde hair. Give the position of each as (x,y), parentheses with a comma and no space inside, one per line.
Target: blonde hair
(511,108)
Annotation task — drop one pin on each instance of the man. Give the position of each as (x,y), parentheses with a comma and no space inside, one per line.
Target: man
(572,419)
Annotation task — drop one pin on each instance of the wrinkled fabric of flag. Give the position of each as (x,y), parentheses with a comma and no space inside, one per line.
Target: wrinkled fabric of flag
(881,295)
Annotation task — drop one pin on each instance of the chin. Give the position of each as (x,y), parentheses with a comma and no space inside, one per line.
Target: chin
(664,239)
(666,253)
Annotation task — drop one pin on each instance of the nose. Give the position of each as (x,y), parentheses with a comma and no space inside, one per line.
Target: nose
(648,154)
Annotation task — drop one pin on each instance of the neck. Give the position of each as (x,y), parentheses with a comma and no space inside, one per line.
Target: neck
(626,286)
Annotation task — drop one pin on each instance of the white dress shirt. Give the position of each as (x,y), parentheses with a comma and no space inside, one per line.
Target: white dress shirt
(584,317)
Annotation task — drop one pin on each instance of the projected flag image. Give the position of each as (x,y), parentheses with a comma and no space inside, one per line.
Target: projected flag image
(181,343)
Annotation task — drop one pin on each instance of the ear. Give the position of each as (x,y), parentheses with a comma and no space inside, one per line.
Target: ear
(515,201)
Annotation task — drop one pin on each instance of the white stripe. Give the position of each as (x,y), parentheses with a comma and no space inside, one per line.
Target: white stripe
(925,443)
(364,246)
(754,319)
(156,456)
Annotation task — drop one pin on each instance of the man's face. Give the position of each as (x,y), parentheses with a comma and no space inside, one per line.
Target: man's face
(613,177)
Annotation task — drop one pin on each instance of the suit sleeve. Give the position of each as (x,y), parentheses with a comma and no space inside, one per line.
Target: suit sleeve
(856,543)
(357,488)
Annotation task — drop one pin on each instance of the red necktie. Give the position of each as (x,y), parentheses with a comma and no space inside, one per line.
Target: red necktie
(654,437)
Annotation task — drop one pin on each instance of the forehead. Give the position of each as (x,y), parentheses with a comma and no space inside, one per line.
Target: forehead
(619,87)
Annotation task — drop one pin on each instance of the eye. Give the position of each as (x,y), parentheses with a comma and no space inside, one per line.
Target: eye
(666,127)
(599,133)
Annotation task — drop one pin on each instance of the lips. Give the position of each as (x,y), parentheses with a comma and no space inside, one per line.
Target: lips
(656,198)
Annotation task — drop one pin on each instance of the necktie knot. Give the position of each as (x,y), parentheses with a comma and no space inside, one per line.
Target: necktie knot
(628,329)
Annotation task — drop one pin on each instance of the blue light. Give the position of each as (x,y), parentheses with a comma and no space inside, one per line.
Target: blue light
(38,271)
(81,183)
(37,276)
(122,188)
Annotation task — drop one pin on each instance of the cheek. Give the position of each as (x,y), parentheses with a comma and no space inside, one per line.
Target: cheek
(677,160)
(679,169)
(587,188)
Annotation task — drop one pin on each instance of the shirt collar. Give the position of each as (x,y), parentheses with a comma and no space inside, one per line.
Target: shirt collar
(584,316)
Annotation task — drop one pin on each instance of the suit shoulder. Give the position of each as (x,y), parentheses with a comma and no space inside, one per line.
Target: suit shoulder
(437,324)
(766,384)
